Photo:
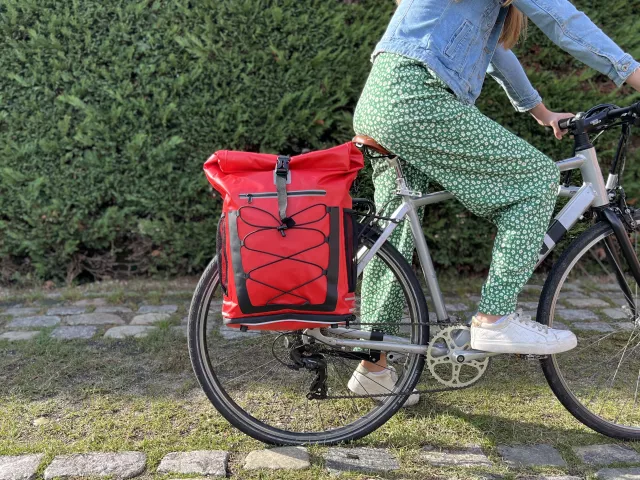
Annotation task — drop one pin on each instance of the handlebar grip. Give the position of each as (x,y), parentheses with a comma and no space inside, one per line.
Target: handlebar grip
(565,123)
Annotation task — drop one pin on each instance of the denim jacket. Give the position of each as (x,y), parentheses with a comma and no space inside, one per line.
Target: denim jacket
(458,40)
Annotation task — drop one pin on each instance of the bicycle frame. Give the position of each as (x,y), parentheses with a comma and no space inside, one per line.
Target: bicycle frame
(593,193)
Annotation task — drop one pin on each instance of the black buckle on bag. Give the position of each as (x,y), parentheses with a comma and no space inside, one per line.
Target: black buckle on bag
(282,165)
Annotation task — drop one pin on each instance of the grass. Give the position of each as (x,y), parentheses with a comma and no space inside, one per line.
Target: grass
(140,395)
(116,395)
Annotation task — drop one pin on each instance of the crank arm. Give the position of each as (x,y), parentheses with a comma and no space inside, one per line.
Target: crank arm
(466,356)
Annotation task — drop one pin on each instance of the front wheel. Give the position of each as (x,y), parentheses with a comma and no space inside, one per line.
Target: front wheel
(247,375)
(591,291)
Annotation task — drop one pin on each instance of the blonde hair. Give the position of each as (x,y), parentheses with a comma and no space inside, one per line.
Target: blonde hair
(515,25)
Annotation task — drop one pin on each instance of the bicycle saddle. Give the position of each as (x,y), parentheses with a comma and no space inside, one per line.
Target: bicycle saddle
(360,140)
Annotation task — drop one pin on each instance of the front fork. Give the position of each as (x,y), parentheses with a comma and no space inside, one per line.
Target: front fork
(614,217)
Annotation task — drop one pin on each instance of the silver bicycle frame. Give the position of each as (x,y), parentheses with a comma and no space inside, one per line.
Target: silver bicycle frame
(592,193)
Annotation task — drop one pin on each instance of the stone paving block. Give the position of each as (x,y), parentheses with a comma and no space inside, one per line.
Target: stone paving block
(150,318)
(41,321)
(16,336)
(595,326)
(117,465)
(90,302)
(66,310)
(19,467)
(456,307)
(626,326)
(20,311)
(606,454)
(619,473)
(360,459)
(202,462)
(83,332)
(94,319)
(566,294)
(468,457)
(532,288)
(557,324)
(615,313)
(528,305)
(136,331)
(528,455)
(572,315)
(113,309)
(158,309)
(552,477)
(281,458)
(587,302)
(229,333)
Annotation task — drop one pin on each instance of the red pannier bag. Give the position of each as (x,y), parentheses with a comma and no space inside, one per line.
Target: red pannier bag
(286,241)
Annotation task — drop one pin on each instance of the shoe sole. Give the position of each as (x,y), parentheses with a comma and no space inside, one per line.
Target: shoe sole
(524,348)
(355,387)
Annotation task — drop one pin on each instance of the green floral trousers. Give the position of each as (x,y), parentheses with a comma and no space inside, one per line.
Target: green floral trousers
(492,172)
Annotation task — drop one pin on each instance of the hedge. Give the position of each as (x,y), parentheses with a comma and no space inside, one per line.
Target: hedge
(109,108)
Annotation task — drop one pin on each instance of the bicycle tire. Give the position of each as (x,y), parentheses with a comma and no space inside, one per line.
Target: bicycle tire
(275,436)
(550,292)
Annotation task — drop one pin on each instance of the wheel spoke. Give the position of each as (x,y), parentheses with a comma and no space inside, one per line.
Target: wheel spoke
(601,375)
(262,385)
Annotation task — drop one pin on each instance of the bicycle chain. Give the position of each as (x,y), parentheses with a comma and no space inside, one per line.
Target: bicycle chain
(432,390)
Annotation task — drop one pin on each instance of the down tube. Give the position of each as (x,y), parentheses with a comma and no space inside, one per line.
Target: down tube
(567,217)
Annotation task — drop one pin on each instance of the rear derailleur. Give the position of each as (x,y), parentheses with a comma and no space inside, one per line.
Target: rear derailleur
(314,362)
(304,353)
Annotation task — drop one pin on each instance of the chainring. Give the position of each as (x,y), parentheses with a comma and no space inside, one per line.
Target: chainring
(442,362)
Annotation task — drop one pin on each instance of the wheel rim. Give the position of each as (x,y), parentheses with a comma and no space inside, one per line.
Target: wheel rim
(602,374)
(270,402)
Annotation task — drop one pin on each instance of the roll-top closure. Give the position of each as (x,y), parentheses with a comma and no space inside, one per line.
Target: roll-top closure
(342,158)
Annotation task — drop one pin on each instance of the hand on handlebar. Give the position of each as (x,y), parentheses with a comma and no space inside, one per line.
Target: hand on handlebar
(547,118)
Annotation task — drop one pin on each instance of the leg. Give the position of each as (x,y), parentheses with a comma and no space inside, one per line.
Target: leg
(382,303)
(491,171)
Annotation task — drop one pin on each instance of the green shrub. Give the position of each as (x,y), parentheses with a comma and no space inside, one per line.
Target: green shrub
(108,110)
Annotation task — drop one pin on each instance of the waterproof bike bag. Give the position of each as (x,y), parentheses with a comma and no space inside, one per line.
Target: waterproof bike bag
(286,242)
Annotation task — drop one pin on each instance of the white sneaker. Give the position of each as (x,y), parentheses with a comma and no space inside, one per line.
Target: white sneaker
(364,382)
(519,334)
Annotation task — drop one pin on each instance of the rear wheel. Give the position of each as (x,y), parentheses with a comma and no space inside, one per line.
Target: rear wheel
(599,380)
(247,378)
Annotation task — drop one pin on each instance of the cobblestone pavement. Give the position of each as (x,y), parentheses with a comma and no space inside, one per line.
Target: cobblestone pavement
(112,311)
(112,314)
(337,460)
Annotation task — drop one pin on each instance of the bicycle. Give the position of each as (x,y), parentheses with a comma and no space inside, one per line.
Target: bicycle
(279,386)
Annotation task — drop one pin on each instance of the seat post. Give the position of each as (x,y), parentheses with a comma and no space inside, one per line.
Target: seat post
(401,184)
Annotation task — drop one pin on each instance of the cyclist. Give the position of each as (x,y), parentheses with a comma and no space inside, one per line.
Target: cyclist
(428,70)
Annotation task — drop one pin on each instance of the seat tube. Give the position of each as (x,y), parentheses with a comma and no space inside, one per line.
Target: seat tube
(425,259)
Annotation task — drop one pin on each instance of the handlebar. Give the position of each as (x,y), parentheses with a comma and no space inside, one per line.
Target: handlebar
(601,119)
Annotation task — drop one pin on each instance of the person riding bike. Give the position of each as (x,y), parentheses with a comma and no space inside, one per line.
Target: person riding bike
(418,102)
